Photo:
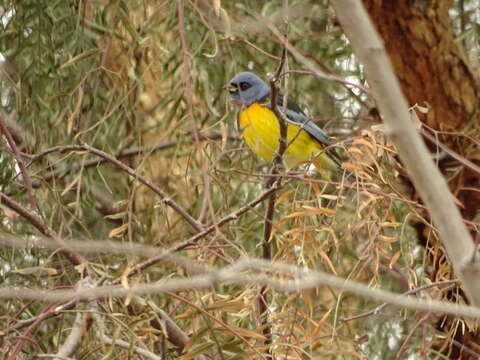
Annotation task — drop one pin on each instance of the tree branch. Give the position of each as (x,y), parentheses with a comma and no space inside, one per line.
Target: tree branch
(37,222)
(25,176)
(174,333)
(428,180)
(272,180)
(74,338)
(194,239)
(281,277)
(165,197)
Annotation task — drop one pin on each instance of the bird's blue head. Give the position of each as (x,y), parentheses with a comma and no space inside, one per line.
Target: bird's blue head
(246,88)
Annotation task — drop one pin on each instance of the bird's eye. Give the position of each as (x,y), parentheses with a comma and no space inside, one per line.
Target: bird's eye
(244,86)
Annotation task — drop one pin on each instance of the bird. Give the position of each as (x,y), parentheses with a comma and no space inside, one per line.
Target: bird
(259,127)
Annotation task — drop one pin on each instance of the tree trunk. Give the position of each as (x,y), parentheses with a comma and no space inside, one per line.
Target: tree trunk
(433,70)
(431,66)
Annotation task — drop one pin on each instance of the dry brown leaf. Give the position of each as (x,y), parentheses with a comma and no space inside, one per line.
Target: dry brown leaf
(247,333)
(388,239)
(118,231)
(230,306)
(193,350)
(319,326)
(363,141)
(327,260)
(350,166)
(308,300)
(354,149)
(37,270)
(355,355)
(311,211)
(390,224)
(394,260)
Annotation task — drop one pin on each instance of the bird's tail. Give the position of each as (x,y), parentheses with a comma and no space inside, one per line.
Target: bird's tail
(329,165)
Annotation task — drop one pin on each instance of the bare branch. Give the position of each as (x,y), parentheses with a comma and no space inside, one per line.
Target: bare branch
(428,180)
(248,272)
(165,197)
(118,342)
(271,182)
(125,345)
(142,250)
(410,292)
(74,339)
(59,172)
(194,239)
(454,155)
(35,220)
(174,334)
(25,176)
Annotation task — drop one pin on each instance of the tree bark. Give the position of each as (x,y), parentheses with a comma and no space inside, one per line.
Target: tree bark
(433,70)
(431,66)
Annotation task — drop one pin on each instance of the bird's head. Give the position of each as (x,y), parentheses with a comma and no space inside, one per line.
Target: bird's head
(246,88)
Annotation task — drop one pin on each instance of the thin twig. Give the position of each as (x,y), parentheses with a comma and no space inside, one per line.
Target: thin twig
(19,133)
(48,312)
(409,292)
(370,190)
(194,239)
(462,347)
(300,57)
(118,342)
(74,338)
(125,345)
(174,333)
(140,250)
(37,222)
(166,199)
(156,259)
(25,176)
(454,155)
(134,151)
(187,79)
(403,348)
(19,345)
(60,173)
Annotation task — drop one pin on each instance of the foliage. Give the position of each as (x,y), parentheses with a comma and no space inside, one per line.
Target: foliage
(113,74)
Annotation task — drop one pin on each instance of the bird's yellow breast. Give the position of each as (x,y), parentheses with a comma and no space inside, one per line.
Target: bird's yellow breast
(260,129)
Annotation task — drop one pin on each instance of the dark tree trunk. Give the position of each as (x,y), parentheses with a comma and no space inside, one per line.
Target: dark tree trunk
(430,64)
(433,69)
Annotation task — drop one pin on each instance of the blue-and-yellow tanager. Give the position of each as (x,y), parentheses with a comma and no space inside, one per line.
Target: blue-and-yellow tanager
(260,128)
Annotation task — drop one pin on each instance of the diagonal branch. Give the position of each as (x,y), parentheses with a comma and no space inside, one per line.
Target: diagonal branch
(428,180)
(74,338)
(25,176)
(165,197)
(37,222)
(194,239)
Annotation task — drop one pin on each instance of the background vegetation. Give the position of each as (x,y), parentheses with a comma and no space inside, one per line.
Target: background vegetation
(143,81)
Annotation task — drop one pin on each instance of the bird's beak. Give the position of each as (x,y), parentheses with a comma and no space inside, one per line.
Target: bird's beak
(231,88)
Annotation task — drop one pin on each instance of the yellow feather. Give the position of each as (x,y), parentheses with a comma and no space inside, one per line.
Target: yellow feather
(260,129)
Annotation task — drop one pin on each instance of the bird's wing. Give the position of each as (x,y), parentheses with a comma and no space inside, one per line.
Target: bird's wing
(296,116)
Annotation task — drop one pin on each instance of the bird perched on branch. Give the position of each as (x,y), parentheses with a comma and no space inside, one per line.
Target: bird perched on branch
(259,127)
